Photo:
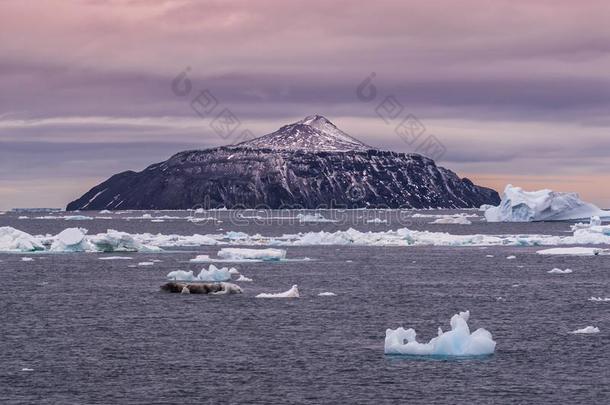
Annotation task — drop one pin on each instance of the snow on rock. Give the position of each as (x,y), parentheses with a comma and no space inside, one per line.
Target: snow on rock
(456,342)
(70,240)
(243,278)
(292,293)
(238,254)
(14,240)
(587,330)
(518,205)
(573,251)
(559,271)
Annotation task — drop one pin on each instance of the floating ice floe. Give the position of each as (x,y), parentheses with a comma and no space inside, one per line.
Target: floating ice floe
(512,257)
(327,294)
(573,251)
(214,274)
(457,342)
(377,221)
(312,218)
(105,212)
(27,259)
(243,278)
(115,258)
(559,271)
(518,205)
(587,330)
(292,293)
(599,299)
(455,220)
(238,254)
(593,221)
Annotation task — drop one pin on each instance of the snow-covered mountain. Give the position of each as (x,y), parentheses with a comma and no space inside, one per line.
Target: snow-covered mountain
(308,164)
(314,133)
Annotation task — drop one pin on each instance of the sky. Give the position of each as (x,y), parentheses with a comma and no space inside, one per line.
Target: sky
(513,91)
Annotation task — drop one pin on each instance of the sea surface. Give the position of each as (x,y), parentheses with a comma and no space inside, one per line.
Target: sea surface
(79,330)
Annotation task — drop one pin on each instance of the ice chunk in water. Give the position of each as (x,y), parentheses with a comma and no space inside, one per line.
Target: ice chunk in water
(457,342)
(70,240)
(238,254)
(14,240)
(587,330)
(292,293)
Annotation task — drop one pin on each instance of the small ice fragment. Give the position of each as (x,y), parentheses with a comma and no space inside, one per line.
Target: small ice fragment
(587,330)
(146,264)
(599,299)
(233,270)
(115,258)
(559,271)
(511,257)
(27,259)
(27,369)
(489,255)
(573,251)
(292,293)
(327,294)
(243,278)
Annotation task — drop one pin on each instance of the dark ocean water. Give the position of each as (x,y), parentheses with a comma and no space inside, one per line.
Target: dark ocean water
(99,332)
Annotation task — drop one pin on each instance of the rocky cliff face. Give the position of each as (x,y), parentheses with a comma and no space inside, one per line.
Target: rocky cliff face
(308,164)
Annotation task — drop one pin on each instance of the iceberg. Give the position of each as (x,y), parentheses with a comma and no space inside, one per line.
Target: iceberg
(313,218)
(559,271)
(456,342)
(238,254)
(14,240)
(292,293)
(518,205)
(587,330)
(115,241)
(70,240)
(214,274)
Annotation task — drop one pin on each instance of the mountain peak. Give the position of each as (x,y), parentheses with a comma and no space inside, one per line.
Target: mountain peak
(314,133)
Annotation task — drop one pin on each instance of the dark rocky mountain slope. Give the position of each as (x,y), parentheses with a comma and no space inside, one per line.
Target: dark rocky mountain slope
(308,164)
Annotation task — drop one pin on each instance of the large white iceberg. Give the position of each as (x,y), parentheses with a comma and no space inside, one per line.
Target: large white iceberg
(292,293)
(115,241)
(457,342)
(518,205)
(238,254)
(14,240)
